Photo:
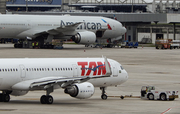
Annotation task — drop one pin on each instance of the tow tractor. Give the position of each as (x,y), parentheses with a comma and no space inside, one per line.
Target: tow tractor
(149,92)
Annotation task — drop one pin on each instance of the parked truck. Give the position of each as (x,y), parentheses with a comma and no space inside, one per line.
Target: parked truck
(167,44)
(149,92)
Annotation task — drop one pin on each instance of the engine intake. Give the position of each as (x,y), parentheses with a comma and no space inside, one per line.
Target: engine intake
(85,37)
(80,91)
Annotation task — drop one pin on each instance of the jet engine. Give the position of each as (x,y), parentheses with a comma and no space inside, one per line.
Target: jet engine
(85,37)
(80,91)
(18,93)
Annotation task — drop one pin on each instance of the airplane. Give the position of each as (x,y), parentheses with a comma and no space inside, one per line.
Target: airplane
(77,76)
(44,28)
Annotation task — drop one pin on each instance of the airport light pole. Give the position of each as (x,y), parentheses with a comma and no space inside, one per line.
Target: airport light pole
(132,7)
(26,5)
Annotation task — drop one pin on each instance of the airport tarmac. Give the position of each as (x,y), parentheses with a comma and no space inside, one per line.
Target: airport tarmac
(145,66)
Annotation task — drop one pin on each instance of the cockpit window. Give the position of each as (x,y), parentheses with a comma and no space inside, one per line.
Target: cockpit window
(122,68)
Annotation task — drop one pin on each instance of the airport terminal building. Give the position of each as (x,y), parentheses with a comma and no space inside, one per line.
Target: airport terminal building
(32,5)
(143,19)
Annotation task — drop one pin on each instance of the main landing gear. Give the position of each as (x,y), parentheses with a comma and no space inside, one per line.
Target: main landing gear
(103,96)
(4,97)
(47,99)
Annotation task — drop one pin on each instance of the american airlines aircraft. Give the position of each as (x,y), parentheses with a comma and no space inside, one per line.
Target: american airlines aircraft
(81,29)
(77,76)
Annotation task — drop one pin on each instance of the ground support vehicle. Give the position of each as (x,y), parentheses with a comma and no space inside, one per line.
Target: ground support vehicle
(149,92)
(167,44)
(163,44)
(135,45)
(127,44)
(175,44)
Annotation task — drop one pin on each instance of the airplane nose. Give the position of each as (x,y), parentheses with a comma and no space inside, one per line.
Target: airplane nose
(121,30)
(124,30)
(125,76)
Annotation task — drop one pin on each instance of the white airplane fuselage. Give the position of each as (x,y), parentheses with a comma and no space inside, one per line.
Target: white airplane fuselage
(23,26)
(13,71)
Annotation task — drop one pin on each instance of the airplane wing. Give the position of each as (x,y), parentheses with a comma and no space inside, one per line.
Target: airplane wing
(44,83)
(63,82)
(69,29)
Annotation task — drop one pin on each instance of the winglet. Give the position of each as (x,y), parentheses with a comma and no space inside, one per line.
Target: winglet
(108,69)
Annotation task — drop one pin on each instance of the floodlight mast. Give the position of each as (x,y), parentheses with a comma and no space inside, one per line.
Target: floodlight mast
(26,5)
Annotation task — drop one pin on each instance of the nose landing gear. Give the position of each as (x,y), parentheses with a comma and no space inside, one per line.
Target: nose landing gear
(103,96)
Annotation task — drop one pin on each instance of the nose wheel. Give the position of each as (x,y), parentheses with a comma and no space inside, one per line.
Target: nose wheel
(103,96)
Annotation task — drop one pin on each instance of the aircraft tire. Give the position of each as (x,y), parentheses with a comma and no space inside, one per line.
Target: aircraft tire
(43,99)
(49,99)
(104,96)
(1,97)
(6,98)
(15,45)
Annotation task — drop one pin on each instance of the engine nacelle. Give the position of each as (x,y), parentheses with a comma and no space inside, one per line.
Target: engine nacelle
(81,91)
(85,37)
(18,93)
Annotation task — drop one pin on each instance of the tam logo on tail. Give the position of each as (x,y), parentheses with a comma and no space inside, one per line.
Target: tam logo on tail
(98,68)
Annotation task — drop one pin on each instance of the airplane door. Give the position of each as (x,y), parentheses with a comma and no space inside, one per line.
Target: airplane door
(22,71)
(115,70)
(75,70)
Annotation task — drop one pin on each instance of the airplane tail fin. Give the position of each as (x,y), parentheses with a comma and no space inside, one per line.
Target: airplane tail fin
(107,66)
